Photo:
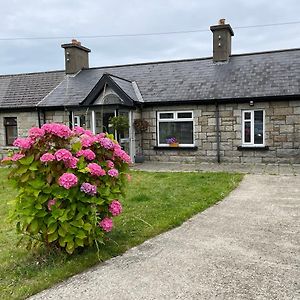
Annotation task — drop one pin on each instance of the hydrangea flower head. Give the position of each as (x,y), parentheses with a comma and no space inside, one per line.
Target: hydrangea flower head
(59,130)
(113,173)
(63,154)
(17,156)
(110,164)
(87,153)
(122,155)
(100,136)
(47,157)
(88,132)
(78,130)
(71,163)
(106,143)
(67,180)
(7,158)
(115,208)
(23,143)
(51,203)
(106,224)
(89,189)
(36,132)
(87,140)
(95,169)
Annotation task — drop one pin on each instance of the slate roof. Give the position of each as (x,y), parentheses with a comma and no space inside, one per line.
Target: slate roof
(265,74)
(126,86)
(252,75)
(26,90)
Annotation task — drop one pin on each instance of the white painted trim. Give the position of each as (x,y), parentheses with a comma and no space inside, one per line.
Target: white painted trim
(93,121)
(137,91)
(251,143)
(175,119)
(131,136)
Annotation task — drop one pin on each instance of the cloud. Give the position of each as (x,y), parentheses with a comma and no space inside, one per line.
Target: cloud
(76,18)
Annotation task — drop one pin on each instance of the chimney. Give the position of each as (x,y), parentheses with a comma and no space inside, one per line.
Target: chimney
(76,57)
(222,34)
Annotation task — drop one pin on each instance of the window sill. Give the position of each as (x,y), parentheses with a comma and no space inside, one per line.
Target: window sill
(193,148)
(257,148)
(8,148)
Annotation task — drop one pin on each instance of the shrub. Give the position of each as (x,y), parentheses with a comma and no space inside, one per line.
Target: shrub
(70,183)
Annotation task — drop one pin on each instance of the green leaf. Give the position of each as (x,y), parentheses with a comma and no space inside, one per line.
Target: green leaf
(65,226)
(81,234)
(38,206)
(57,212)
(37,183)
(52,237)
(52,228)
(43,198)
(41,214)
(34,166)
(50,221)
(62,243)
(70,247)
(34,226)
(87,226)
(61,232)
(21,170)
(76,146)
(64,217)
(25,177)
(77,223)
(68,238)
(79,242)
(27,160)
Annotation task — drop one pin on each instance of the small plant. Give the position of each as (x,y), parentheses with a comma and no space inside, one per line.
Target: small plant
(172,140)
(119,123)
(140,125)
(70,183)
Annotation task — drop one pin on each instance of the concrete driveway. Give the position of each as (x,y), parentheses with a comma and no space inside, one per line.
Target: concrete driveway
(246,247)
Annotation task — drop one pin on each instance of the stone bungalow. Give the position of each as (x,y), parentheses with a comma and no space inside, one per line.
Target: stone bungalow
(225,108)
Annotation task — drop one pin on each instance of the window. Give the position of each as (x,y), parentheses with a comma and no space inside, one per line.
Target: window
(79,120)
(179,125)
(11,131)
(253,129)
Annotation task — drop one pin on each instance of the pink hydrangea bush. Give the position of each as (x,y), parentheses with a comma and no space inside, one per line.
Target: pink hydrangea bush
(67,180)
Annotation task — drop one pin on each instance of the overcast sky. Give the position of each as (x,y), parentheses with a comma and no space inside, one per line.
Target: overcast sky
(51,18)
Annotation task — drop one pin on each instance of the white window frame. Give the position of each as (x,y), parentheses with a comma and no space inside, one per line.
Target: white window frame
(251,120)
(175,119)
(76,121)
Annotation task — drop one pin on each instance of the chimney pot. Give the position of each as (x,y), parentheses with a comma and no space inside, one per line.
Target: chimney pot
(222,22)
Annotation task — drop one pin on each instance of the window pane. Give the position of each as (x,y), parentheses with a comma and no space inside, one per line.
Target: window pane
(184,115)
(10,121)
(247,115)
(166,115)
(11,134)
(247,132)
(258,127)
(182,131)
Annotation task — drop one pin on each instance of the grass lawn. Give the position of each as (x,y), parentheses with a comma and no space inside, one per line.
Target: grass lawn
(156,202)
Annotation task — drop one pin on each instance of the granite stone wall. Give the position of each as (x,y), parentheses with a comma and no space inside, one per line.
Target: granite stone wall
(282,134)
(25,120)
